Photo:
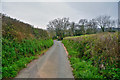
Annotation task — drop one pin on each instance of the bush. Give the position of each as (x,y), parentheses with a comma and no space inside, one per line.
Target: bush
(21,43)
(15,55)
(83,69)
(100,49)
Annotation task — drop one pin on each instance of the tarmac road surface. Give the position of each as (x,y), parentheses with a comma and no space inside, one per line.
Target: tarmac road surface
(53,64)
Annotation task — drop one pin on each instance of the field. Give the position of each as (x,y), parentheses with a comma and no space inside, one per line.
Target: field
(94,56)
(21,43)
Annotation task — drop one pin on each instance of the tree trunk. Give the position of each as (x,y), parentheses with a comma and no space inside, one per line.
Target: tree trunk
(103,29)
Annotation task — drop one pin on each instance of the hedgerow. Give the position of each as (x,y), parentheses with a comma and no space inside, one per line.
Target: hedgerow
(94,56)
(21,43)
(16,55)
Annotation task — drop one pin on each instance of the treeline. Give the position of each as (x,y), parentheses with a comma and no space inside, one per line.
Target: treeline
(21,43)
(63,27)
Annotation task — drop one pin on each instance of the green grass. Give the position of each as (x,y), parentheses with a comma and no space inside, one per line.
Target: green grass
(83,69)
(16,55)
(12,69)
(94,56)
(21,43)
(13,28)
(75,36)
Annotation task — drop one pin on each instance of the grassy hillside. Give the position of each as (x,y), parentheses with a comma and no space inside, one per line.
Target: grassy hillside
(21,43)
(14,29)
(94,56)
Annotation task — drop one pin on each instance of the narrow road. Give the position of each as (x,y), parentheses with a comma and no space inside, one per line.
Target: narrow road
(54,64)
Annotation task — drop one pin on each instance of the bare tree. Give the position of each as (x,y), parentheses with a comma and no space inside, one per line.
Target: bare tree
(83,23)
(111,24)
(103,21)
(59,26)
(72,28)
(92,26)
(62,27)
(51,31)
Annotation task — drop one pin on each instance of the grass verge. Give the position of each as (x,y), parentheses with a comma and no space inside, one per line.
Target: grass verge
(94,56)
(16,55)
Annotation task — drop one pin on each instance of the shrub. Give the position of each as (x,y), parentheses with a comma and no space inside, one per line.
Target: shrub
(100,49)
(21,43)
(15,55)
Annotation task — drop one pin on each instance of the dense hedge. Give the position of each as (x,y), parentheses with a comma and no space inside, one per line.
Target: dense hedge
(94,56)
(21,43)
(13,28)
(15,55)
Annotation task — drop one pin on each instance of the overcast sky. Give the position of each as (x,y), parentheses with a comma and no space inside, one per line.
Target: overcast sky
(40,13)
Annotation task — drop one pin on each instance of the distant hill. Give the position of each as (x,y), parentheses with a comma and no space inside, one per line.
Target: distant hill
(15,29)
